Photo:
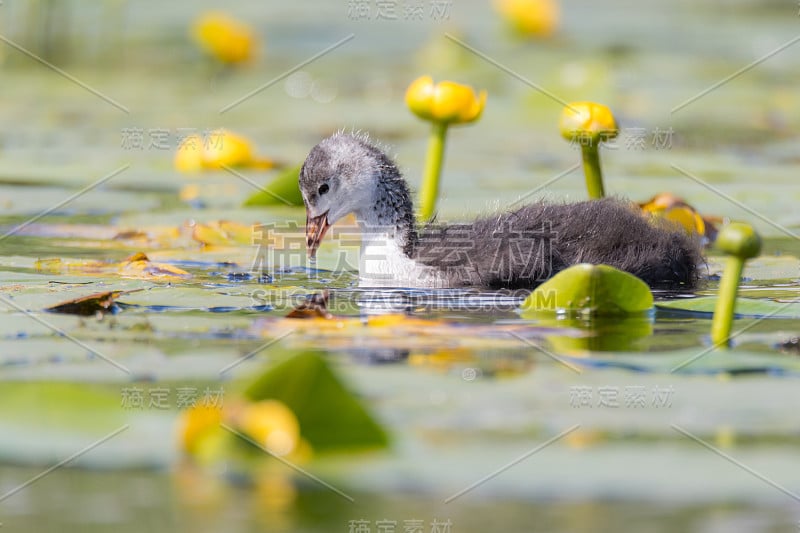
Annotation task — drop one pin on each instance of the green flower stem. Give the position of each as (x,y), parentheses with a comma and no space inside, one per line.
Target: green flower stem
(433,169)
(591,168)
(726,302)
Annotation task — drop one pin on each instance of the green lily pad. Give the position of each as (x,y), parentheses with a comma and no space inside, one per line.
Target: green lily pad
(70,407)
(283,190)
(590,289)
(331,417)
(745,307)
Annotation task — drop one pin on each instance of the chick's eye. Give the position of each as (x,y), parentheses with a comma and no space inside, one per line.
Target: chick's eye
(323,189)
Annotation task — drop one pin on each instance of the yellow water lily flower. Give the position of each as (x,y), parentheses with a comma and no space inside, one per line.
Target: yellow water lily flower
(446,102)
(189,157)
(221,148)
(271,424)
(588,122)
(442,104)
(226,148)
(534,18)
(224,38)
(196,423)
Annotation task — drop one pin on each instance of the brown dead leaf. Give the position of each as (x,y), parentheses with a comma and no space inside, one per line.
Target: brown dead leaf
(129,235)
(138,256)
(100,303)
(316,306)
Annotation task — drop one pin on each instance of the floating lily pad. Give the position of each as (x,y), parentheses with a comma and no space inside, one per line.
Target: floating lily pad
(70,407)
(590,289)
(283,190)
(331,417)
(745,307)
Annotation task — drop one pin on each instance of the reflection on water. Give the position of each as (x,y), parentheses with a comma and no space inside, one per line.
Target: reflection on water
(187,500)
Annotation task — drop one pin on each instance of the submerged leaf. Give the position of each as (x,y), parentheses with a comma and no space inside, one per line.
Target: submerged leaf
(283,190)
(223,233)
(53,265)
(331,417)
(590,289)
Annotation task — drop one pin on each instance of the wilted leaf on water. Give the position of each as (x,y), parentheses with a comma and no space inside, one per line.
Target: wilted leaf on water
(130,234)
(331,417)
(223,233)
(136,266)
(139,266)
(590,289)
(283,190)
(316,306)
(99,303)
(53,265)
(103,235)
(161,236)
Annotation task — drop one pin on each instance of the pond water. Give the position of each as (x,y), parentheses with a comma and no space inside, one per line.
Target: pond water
(497,422)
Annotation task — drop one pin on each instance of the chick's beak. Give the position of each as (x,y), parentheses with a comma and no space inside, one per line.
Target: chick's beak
(316,228)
